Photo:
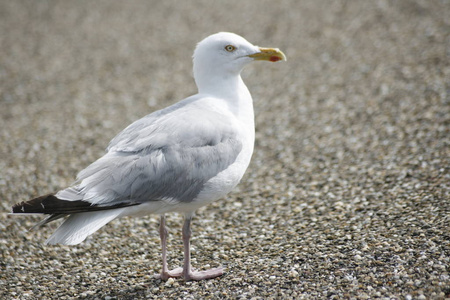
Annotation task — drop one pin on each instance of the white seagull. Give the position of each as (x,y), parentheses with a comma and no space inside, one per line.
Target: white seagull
(176,159)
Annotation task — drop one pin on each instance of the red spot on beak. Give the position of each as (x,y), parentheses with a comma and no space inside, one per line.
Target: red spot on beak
(274,58)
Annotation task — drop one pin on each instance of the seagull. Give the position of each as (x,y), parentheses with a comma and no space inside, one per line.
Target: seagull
(177,159)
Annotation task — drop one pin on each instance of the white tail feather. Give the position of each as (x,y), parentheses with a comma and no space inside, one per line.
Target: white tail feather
(79,226)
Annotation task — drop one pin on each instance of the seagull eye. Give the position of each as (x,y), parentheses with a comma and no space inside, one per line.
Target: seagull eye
(230,48)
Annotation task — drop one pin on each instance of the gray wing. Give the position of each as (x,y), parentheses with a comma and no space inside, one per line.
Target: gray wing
(169,155)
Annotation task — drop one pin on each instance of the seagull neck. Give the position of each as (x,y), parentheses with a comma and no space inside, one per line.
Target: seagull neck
(230,87)
(235,95)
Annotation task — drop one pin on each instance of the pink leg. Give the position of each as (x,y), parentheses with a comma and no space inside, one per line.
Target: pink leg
(165,273)
(188,272)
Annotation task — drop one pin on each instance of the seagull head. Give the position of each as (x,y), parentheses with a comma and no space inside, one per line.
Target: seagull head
(225,54)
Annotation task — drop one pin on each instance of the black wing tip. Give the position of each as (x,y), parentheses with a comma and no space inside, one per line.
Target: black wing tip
(35,205)
(18,208)
(52,205)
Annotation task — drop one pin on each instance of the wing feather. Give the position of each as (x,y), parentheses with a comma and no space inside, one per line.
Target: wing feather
(158,158)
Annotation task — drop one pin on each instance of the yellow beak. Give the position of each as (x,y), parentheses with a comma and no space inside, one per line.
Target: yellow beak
(270,54)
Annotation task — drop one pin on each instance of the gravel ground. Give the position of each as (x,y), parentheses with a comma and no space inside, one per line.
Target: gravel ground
(347,195)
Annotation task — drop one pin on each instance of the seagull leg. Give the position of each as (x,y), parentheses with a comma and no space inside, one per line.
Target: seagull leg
(188,272)
(165,273)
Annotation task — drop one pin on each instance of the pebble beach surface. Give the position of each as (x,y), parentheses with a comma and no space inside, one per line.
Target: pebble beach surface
(346,197)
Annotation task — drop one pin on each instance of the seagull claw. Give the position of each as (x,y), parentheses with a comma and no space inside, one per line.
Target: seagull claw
(175,273)
(201,275)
